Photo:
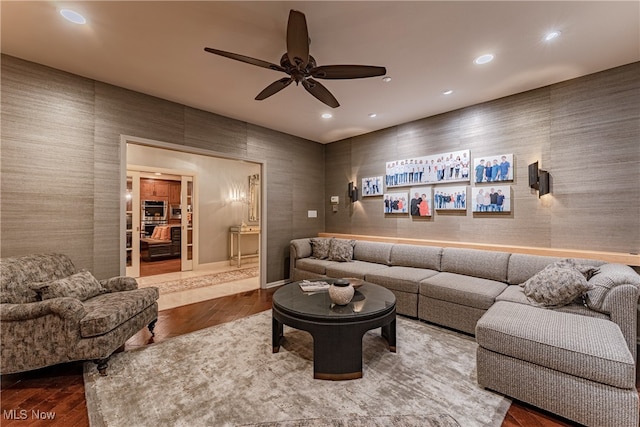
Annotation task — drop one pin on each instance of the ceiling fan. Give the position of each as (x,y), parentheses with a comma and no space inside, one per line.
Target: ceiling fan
(301,67)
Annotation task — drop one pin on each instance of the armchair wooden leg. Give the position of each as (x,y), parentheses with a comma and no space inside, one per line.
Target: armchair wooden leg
(102,365)
(152,326)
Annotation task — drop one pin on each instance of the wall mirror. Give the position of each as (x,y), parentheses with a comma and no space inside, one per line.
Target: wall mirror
(254,198)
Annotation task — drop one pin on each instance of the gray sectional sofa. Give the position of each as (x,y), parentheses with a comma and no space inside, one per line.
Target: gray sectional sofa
(576,360)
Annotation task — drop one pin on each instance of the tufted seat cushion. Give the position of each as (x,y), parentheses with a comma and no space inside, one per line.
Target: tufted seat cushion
(318,266)
(404,279)
(460,289)
(108,311)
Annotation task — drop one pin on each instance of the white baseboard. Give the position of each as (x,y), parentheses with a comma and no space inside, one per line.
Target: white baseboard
(277,283)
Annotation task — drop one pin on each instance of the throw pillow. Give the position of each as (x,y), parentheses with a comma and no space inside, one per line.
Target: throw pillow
(81,285)
(608,277)
(320,247)
(341,250)
(555,286)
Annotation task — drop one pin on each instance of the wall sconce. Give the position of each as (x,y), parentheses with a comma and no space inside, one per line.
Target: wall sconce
(539,179)
(353,192)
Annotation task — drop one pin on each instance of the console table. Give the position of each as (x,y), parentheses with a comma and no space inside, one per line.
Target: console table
(235,236)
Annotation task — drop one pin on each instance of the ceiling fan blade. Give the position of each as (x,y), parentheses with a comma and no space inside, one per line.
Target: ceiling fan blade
(347,71)
(297,39)
(320,92)
(274,88)
(246,59)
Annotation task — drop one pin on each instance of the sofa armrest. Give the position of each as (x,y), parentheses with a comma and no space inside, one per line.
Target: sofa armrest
(298,248)
(65,308)
(119,284)
(622,305)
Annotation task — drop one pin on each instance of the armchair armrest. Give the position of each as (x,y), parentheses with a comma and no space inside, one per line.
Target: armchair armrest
(66,308)
(119,284)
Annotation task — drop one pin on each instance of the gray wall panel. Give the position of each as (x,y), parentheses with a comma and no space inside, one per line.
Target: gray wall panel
(584,131)
(47,162)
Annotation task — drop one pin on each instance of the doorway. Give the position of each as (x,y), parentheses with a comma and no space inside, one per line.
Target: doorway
(216,181)
(159,234)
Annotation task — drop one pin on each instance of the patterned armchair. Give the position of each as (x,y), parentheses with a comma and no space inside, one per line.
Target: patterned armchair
(51,313)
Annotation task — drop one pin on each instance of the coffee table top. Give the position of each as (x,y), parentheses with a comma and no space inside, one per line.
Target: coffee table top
(369,300)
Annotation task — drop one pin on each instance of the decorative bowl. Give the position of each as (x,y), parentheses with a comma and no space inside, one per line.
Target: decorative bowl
(341,282)
(355,282)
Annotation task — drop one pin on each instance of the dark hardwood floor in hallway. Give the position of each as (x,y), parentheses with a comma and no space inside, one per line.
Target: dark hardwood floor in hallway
(60,389)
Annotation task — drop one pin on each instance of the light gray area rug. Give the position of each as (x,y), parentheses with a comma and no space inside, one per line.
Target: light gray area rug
(227,375)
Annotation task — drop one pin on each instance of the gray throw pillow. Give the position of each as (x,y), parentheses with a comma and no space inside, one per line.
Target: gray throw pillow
(555,286)
(341,250)
(81,285)
(320,247)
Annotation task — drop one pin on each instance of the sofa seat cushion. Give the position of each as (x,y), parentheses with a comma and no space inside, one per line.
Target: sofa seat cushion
(515,293)
(404,279)
(460,289)
(586,347)
(318,266)
(356,269)
(108,311)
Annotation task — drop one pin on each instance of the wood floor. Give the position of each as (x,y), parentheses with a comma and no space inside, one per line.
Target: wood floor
(60,389)
(161,266)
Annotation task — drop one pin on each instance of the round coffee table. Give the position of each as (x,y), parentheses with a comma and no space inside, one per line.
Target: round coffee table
(337,330)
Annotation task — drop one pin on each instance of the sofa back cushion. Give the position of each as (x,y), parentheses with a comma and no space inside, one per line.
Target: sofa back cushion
(377,252)
(17,273)
(428,257)
(477,263)
(523,267)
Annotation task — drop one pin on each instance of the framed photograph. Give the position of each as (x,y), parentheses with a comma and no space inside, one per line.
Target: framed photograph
(491,199)
(450,198)
(396,203)
(495,168)
(372,186)
(434,169)
(420,203)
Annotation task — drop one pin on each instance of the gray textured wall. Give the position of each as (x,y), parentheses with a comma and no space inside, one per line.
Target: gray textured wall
(60,177)
(585,132)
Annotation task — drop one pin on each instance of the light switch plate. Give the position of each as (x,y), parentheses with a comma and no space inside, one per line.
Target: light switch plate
(335,199)
(312,214)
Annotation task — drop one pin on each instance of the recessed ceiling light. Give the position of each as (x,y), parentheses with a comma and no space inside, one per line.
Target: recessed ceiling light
(483,59)
(327,115)
(447,92)
(386,79)
(73,16)
(552,35)
(372,115)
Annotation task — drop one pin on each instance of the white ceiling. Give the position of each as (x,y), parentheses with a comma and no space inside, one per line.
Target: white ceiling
(427,47)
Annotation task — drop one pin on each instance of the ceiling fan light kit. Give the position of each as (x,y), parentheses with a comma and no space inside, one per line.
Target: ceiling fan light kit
(301,66)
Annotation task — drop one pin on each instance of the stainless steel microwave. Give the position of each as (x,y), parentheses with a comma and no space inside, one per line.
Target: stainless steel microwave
(175,212)
(154,210)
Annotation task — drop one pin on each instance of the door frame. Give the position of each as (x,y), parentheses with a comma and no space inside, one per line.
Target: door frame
(140,172)
(125,139)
